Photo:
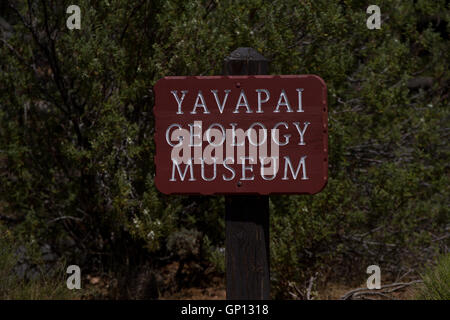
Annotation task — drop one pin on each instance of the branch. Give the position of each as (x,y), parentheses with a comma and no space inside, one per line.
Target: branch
(308,290)
(65,218)
(297,294)
(381,292)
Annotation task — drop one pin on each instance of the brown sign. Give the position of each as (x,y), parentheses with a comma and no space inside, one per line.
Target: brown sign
(241,134)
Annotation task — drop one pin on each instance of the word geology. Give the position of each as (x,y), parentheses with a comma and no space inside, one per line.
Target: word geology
(241,134)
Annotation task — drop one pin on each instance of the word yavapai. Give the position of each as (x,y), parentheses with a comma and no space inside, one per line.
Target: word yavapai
(241,102)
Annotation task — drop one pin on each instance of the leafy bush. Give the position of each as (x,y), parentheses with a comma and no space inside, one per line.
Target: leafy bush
(76,130)
(45,285)
(437,281)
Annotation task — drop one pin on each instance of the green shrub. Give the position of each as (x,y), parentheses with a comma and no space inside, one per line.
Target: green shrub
(76,130)
(436,281)
(45,285)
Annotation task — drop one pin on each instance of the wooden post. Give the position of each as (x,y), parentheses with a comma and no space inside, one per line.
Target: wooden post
(247,217)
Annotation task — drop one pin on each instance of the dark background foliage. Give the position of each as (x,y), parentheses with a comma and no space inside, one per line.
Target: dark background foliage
(76,130)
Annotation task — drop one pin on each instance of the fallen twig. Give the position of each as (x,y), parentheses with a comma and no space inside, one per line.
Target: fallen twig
(310,285)
(392,287)
(297,294)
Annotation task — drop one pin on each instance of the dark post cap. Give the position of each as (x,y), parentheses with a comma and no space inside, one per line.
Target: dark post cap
(246,61)
(244,53)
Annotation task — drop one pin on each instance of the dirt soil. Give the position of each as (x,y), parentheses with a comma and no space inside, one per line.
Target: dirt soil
(213,287)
